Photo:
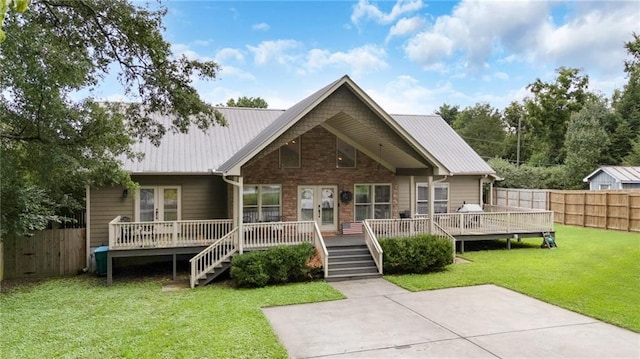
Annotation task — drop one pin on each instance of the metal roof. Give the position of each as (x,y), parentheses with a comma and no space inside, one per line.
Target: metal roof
(622,174)
(224,149)
(198,151)
(439,139)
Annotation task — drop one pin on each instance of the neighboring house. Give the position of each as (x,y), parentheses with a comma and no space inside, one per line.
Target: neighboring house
(614,177)
(336,158)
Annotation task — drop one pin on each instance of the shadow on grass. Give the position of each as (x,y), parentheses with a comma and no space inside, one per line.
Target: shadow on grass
(499,244)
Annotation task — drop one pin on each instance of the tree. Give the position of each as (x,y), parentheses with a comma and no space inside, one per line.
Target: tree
(5,5)
(481,126)
(253,102)
(549,110)
(633,158)
(448,113)
(586,140)
(52,145)
(627,101)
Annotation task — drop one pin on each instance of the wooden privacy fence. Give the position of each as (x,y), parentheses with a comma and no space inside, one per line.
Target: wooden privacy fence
(618,210)
(522,198)
(49,253)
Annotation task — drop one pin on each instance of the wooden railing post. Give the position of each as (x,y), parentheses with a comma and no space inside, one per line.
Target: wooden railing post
(174,233)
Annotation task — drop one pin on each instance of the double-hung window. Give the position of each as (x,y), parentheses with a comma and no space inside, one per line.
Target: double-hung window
(261,203)
(441,198)
(372,201)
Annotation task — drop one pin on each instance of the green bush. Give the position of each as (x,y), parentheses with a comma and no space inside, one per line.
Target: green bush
(416,254)
(282,264)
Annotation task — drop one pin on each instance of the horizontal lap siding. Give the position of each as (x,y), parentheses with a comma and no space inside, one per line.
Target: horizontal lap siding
(203,197)
(404,193)
(461,189)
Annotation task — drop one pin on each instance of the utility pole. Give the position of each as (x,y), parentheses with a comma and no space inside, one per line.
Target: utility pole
(518,146)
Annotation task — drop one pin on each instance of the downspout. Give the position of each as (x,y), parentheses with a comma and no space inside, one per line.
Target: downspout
(237,208)
(87,229)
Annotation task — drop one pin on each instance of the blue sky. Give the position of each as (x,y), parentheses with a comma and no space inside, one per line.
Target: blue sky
(409,56)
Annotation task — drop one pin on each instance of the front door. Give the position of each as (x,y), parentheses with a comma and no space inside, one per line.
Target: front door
(319,203)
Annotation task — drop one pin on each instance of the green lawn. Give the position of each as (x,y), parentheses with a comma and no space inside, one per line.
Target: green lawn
(593,272)
(81,318)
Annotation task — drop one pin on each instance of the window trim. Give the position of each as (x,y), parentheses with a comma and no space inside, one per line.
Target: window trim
(435,185)
(373,202)
(604,186)
(259,207)
(355,154)
(295,140)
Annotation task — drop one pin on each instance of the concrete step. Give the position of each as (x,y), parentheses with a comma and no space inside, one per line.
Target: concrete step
(353,270)
(352,264)
(344,277)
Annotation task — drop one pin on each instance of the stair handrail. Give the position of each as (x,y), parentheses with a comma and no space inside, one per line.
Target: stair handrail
(439,231)
(212,256)
(319,244)
(373,245)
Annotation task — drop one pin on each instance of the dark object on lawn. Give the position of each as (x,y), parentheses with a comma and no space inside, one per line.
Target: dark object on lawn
(548,241)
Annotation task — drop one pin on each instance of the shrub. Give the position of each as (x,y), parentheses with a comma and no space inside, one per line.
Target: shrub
(277,265)
(416,254)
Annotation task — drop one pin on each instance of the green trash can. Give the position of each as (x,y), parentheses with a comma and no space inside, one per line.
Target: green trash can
(101,260)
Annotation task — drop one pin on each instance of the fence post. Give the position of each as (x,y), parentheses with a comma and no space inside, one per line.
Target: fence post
(564,207)
(584,209)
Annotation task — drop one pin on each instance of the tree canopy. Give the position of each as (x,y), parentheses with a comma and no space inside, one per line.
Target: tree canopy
(56,138)
(244,101)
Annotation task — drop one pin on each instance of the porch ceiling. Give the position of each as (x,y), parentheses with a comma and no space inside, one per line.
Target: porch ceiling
(367,138)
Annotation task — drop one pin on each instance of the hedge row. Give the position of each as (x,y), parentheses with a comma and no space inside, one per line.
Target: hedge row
(418,254)
(282,264)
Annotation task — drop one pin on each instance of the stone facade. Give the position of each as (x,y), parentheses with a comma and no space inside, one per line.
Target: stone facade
(318,167)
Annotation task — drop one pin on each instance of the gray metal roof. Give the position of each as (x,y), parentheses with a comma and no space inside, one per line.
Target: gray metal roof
(249,130)
(622,174)
(439,139)
(198,151)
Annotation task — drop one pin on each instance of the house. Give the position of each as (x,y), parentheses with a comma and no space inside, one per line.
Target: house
(614,177)
(317,169)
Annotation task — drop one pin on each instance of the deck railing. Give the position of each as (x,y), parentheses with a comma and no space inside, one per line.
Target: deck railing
(318,241)
(211,257)
(398,227)
(270,234)
(495,222)
(373,245)
(136,235)
(442,233)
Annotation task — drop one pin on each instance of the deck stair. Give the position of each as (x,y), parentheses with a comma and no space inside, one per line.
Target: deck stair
(349,261)
(214,273)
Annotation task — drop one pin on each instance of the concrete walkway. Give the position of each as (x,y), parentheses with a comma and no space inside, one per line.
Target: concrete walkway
(381,320)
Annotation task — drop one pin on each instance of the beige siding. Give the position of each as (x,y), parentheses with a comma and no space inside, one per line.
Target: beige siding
(203,197)
(461,189)
(404,193)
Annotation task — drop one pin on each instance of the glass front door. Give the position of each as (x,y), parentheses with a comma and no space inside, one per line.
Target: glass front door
(319,203)
(158,204)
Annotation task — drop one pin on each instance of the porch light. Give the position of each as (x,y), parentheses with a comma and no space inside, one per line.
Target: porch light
(125,193)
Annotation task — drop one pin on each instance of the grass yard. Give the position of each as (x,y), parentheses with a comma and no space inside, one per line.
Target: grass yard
(81,318)
(593,272)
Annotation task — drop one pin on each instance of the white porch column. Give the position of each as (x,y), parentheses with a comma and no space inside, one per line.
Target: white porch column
(431,198)
(239,211)
(412,195)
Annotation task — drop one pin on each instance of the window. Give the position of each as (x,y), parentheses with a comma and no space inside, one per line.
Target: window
(441,195)
(605,186)
(290,154)
(261,203)
(372,201)
(345,155)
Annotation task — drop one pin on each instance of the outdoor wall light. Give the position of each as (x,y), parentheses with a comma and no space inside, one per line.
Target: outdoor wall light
(125,193)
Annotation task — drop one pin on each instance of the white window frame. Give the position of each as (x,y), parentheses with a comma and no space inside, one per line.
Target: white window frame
(426,202)
(158,198)
(259,206)
(373,203)
(604,186)
(296,141)
(355,154)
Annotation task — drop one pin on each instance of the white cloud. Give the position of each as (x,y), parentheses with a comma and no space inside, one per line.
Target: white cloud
(589,36)
(406,26)
(364,10)
(229,54)
(227,71)
(363,59)
(183,49)
(279,51)
(263,26)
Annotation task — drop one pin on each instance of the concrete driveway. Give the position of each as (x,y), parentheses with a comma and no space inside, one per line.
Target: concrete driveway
(381,320)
